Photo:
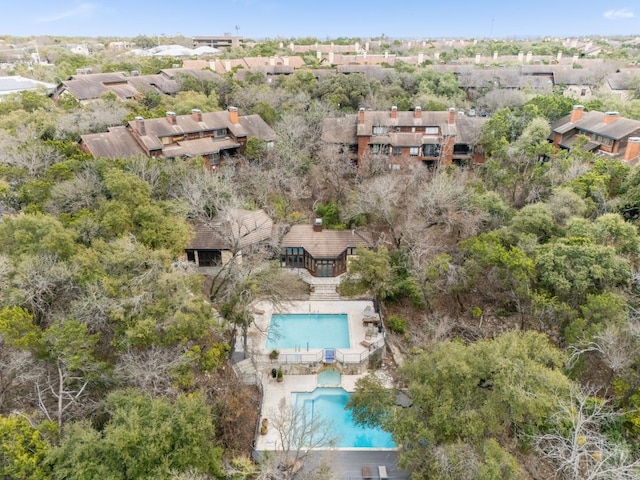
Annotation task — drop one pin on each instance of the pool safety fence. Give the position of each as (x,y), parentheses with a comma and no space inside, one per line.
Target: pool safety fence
(340,356)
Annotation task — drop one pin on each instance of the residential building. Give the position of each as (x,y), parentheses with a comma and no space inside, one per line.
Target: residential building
(87,86)
(322,252)
(407,139)
(17,84)
(607,133)
(225,41)
(91,86)
(214,244)
(213,136)
(624,83)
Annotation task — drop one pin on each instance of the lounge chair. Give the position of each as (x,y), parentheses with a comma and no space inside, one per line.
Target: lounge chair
(382,472)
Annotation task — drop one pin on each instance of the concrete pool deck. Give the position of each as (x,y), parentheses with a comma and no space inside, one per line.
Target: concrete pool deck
(273,391)
(361,337)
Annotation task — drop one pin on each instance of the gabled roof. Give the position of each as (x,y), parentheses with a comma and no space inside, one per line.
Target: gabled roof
(592,122)
(341,130)
(116,143)
(94,85)
(326,243)
(232,229)
(623,80)
(122,142)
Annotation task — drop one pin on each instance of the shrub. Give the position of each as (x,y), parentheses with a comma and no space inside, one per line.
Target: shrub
(397,324)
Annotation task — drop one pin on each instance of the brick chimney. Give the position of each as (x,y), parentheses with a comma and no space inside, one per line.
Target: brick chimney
(633,148)
(394,112)
(317,225)
(140,128)
(610,117)
(452,116)
(196,114)
(418,112)
(361,116)
(171,118)
(576,113)
(233,115)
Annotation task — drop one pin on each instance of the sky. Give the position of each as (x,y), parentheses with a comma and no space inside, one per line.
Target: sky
(322,19)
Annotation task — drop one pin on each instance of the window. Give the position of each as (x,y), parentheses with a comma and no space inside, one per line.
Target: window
(397,151)
(461,149)
(583,92)
(394,166)
(220,132)
(431,150)
(209,258)
(431,130)
(602,140)
(413,151)
(379,130)
(377,148)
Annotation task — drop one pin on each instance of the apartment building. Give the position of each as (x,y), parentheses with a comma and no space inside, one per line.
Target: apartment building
(408,139)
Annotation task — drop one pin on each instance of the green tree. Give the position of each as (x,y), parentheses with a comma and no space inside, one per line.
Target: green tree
(370,271)
(469,393)
(143,438)
(35,234)
(569,269)
(552,107)
(23,449)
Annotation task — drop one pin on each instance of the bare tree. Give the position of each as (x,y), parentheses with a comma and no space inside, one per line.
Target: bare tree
(45,286)
(577,446)
(152,370)
(26,151)
(82,191)
(299,433)
(18,371)
(334,173)
(616,345)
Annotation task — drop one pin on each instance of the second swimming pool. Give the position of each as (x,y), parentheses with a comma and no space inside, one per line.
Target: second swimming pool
(330,403)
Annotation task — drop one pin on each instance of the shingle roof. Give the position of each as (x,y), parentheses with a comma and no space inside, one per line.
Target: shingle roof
(198,147)
(232,229)
(326,243)
(92,86)
(592,122)
(116,143)
(341,130)
(623,80)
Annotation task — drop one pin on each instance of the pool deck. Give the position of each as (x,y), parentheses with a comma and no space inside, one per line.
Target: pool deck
(359,334)
(275,391)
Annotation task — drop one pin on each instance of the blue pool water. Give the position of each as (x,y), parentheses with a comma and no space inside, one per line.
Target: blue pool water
(329,378)
(330,404)
(292,330)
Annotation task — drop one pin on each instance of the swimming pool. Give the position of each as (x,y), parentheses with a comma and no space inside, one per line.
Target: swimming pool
(308,330)
(330,403)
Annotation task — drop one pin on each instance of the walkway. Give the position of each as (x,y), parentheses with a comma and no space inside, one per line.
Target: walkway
(321,288)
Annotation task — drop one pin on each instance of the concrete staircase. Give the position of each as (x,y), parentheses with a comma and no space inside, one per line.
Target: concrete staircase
(246,371)
(324,292)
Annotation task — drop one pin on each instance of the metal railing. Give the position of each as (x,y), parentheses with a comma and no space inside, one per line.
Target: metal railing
(318,356)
